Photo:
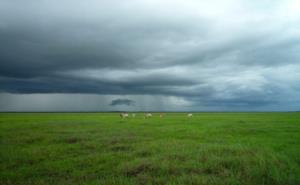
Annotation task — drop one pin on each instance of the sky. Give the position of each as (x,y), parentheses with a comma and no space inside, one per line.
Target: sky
(149,55)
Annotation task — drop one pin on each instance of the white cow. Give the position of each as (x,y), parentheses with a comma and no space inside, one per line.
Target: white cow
(148,115)
(124,115)
(189,115)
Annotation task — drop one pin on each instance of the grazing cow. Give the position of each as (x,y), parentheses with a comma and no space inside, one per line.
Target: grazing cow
(124,115)
(189,115)
(148,115)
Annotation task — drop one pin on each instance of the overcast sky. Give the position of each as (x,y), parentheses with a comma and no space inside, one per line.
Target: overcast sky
(149,55)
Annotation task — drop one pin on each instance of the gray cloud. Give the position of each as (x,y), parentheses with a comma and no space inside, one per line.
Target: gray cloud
(122,102)
(235,56)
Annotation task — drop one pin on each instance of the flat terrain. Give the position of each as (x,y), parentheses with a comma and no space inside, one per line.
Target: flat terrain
(102,148)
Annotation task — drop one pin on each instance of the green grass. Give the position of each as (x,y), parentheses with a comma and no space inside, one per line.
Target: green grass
(101,148)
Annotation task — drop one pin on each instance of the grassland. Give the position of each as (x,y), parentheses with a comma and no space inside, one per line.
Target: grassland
(101,148)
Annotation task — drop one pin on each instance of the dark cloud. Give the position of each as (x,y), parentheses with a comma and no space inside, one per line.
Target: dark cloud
(205,55)
(122,102)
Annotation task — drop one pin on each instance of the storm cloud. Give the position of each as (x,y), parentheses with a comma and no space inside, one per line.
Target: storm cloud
(122,102)
(162,55)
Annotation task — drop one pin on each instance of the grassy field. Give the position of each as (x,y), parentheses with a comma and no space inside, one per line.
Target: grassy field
(101,148)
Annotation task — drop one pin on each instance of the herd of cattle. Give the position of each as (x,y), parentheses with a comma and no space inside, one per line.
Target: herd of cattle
(147,115)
